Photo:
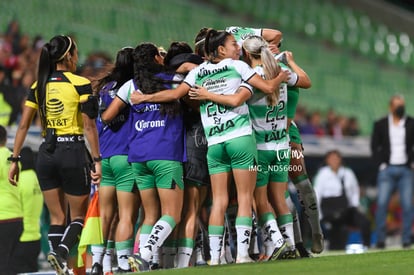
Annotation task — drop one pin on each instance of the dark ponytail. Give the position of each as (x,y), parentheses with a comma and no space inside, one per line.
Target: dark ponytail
(214,39)
(52,53)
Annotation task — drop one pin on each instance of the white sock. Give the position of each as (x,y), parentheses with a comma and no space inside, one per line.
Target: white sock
(268,244)
(244,231)
(123,251)
(144,233)
(285,223)
(97,253)
(296,223)
(184,252)
(107,260)
(215,236)
(156,256)
(273,231)
(184,256)
(159,233)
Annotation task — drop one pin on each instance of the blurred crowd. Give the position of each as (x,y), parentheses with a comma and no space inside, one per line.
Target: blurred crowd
(329,123)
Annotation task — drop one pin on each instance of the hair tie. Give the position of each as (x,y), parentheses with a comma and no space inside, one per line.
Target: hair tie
(67,50)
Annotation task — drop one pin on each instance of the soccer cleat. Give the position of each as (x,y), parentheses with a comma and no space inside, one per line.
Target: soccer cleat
(317,243)
(288,255)
(263,258)
(243,260)
(278,252)
(214,262)
(57,263)
(302,252)
(97,269)
(154,266)
(138,264)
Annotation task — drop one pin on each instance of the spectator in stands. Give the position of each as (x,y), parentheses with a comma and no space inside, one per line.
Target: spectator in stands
(13,36)
(338,193)
(392,146)
(353,127)
(31,200)
(5,89)
(96,66)
(300,116)
(331,126)
(314,125)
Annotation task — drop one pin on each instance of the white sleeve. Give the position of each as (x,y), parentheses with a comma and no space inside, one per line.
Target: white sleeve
(246,72)
(190,79)
(125,91)
(293,80)
(247,86)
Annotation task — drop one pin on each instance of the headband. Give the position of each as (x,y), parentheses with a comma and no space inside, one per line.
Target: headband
(67,50)
(200,41)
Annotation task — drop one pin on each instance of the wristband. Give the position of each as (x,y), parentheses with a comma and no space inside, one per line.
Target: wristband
(98,159)
(13,159)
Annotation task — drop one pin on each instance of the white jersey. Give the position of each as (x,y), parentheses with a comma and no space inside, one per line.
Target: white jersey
(241,34)
(125,91)
(222,123)
(269,122)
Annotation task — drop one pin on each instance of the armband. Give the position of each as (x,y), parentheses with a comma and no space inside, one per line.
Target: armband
(13,159)
(90,107)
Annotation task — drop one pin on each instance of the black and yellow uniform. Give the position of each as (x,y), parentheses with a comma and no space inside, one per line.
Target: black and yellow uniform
(67,164)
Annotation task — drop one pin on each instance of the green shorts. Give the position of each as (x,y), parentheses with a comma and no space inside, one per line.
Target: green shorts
(237,153)
(273,167)
(117,172)
(294,134)
(165,174)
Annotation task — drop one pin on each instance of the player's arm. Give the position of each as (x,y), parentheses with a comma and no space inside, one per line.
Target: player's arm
(303,79)
(162,96)
(233,100)
(272,36)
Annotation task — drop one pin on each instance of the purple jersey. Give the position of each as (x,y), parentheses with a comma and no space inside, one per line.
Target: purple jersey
(112,137)
(153,136)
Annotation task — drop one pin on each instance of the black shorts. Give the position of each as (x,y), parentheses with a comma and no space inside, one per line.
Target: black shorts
(196,169)
(68,167)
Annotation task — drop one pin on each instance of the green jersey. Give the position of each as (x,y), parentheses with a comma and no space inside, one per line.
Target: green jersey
(222,123)
(241,34)
(269,122)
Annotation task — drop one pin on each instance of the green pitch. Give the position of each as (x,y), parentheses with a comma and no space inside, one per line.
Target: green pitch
(374,262)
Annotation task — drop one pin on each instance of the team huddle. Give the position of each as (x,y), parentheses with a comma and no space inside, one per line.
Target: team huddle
(183,135)
(235,88)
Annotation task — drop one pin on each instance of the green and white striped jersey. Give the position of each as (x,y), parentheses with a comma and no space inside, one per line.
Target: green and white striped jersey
(269,122)
(241,34)
(222,123)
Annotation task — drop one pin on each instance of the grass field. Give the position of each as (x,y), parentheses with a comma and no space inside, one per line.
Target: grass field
(374,262)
